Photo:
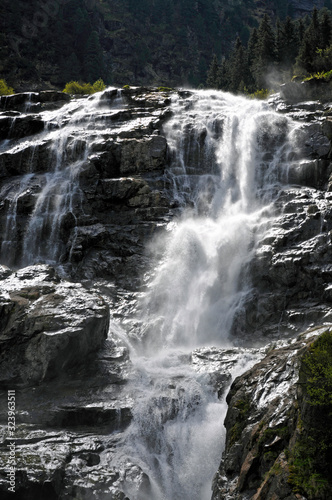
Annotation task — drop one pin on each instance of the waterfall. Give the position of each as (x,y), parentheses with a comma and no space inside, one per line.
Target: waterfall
(229,185)
(63,146)
(228,158)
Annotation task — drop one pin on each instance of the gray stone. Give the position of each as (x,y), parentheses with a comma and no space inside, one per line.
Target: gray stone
(261,423)
(47,325)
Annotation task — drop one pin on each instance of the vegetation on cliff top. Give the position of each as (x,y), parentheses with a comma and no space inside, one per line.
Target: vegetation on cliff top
(84,88)
(5,89)
(274,53)
(152,42)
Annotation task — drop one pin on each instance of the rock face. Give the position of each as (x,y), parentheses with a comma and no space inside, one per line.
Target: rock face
(85,185)
(266,419)
(117,193)
(44,328)
(290,272)
(53,332)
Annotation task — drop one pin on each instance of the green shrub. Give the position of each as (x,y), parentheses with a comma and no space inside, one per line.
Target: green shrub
(99,85)
(260,94)
(5,89)
(243,405)
(303,474)
(164,89)
(317,370)
(84,88)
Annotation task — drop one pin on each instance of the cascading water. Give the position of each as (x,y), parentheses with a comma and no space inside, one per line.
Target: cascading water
(67,137)
(228,156)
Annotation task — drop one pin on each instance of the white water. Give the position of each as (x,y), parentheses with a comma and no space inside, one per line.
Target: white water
(70,133)
(226,184)
(228,157)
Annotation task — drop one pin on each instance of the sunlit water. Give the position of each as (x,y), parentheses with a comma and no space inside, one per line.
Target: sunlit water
(229,157)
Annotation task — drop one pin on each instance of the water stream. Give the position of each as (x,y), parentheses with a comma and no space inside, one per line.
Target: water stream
(226,184)
(228,160)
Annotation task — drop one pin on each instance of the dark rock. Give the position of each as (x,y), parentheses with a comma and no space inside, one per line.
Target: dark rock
(18,127)
(50,324)
(143,155)
(261,425)
(53,96)
(310,90)
(31,101)
(19,102)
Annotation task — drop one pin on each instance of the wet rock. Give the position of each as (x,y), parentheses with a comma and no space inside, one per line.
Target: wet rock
(112,419)
(53,96)
(30,101)
(294,92)
(220,363)
(18,102)
(26,158)
(261,425)
(5,272)
(143,155)
(312,173)
(18,127)
(47,325)
(123,189)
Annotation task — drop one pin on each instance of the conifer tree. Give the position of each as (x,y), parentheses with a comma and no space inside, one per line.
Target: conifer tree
(251,57)
(212,80)
(325,29)
(300,31)
(223,75)
(287,44)
(310,43)
(265,55)
(71,68)
(93,61)
(238,67)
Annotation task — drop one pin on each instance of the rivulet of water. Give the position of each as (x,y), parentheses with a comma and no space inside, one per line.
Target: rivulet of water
(64,146)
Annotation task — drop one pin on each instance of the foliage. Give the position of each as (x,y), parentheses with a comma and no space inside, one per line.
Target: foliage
(93,61)
(99,85)
(165,89)
(243,407)
(311,457)
(260,94)
(274,53)
(5,89)
(317,369)
(270,433)
(84,88)
(303,475)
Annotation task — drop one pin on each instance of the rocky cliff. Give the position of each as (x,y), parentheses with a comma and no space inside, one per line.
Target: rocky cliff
(86,185)
(278,445)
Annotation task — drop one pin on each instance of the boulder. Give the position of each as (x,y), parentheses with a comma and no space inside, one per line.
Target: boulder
(143,155)
(266,405)
(32,101)
(47,325)
(20,126)
(310,90)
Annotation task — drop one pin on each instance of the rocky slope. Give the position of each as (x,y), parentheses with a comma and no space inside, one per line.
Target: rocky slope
(269,419)
(74,402)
